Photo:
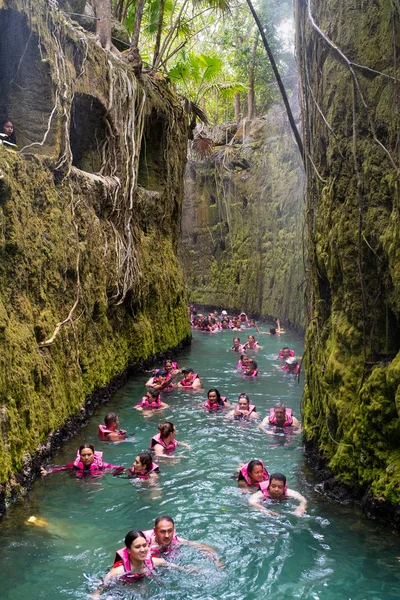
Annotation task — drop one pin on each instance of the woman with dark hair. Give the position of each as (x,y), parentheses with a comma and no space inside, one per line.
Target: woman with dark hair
(151,401)
(215,400)
(164,443)
(88,460)
(252,474)
(7,134)
(143,467)
(133,562)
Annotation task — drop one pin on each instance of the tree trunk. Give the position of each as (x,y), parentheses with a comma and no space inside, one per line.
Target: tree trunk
(156,57)
(278,80)
(251,98)
(103,24)
(134,54)
(237,107)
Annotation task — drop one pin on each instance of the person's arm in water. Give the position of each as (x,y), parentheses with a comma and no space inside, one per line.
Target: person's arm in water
(255,501)
(203,547)
(115,437)
(160,452)
(302,508)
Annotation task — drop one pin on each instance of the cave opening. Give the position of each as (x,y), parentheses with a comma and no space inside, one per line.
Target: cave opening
(88,133)
(152,173)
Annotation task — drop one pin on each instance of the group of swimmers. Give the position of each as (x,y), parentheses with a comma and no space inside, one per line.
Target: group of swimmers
(144,551)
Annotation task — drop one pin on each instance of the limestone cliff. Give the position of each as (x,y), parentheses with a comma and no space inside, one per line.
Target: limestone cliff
(243,218)
(349,59)
(90,213)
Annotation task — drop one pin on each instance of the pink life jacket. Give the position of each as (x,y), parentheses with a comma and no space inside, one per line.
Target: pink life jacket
(169,387)
(248,347)
(215,406)
(156,439)
(146,404)
(185,383)
(96,465)
(254,373)
(252,408)
(289,417)
(122,554)
(103,431)
(240,365)
(154,548)
(244,471)
(264,487)
(141,475)
(280,355)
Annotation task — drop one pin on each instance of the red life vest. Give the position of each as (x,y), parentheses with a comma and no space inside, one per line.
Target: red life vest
(289,417)
(215,406)
(185,383)
(141,474)
(122,554)
(103,431)
(156,439)
(146,404)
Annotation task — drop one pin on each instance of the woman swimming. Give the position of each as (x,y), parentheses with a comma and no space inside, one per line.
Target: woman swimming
(215,401)
(164,443)
(243,409)
(251,344)
(151,401)
(87,460)
(252,474)
(144,467)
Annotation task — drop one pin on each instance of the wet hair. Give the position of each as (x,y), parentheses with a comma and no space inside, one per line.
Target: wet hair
(285,348)
(251,336)
(279,405)
(252,464)
(218,395)
(110,418)
(153,392)
(236,339)
(278,477)
(243,395)
(131,536)
(252,363)
(86,446)
(12,138)
(166,428)
(164,518)
(272,331)
(146,460)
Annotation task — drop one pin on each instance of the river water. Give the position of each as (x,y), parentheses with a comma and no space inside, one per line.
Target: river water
(332,553)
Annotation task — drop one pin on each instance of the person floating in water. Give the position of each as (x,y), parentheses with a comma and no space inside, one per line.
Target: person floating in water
(291,365)
(276,490)
(191,380)
(161,381)
(252,474)
(285,353)
(7,135)
(151,402)
(243,410)
(164,443)
(252,344)
(109,432)
(215,401)
(281,417)
(88,460)
(162,539)
(144,467)
(251,369)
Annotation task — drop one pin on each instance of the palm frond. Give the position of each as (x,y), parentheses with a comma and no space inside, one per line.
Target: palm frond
(202,146)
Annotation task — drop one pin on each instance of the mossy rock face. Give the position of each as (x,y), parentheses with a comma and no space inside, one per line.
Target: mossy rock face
(351,403)
(90,282)
(241,245)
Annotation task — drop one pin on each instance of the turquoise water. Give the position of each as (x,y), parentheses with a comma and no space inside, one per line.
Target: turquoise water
(333,553)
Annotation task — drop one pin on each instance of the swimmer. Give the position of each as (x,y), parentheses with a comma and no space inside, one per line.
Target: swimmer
(237,346)
(87,460)
(285,353)
(277,490)
(161,381)
(144,468)
(252,474)
(235,325)
(109,432)
(291,366)
(133,562)
(251,369)
(243,320)
(243,409)
(215,401)
(252,344)
(274,330)
(164,443)
(280,416)
(191,380)
(171,367)
(151,402)
(243,362)
(163,539)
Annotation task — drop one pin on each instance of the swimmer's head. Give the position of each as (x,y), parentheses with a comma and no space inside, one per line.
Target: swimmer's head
(243,402)
(214,397)
(110,420)
(167,429)
(143,462)
(255,470)
(8,128)
(277,486)
(251,367)
(164,530)
(285,352)
(86,453)
(152,394)
(280,413)
(272,331)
